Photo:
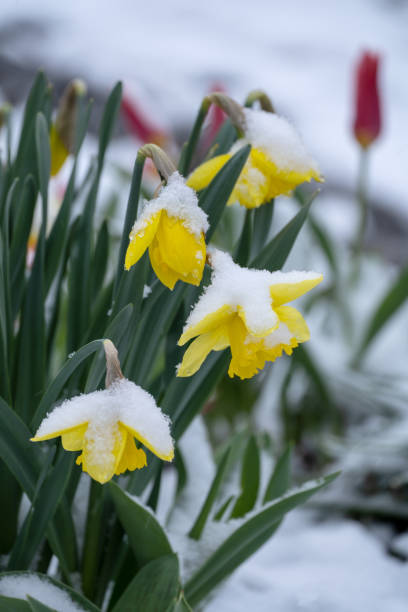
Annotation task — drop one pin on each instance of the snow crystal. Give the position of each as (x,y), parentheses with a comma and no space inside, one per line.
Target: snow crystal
(123,402)
(278,139)
(178,200)
(241,287)
(146,291)
(18,586)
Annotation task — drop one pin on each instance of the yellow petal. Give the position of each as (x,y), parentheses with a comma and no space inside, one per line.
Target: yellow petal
(59,432)
(204,174)
(148,444)
(73,439)
(141,240)
(166,275)
(215,340)
(294,321)
(181,250)
(132,458)
(281,293)
(208,323)
(59,152)
(101,463)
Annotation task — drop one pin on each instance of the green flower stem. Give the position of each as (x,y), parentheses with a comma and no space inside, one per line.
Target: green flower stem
(363,206)
(190,146)
(257,95)
(94,538)
(244,246)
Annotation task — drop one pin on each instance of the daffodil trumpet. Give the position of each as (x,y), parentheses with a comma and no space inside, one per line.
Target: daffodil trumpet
(172,226)
(104,425)
(246,310)
(278,161)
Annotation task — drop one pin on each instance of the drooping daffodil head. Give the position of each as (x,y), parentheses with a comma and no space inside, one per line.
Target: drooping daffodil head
(172,227)
(104,425)
(277,162)
(247,310)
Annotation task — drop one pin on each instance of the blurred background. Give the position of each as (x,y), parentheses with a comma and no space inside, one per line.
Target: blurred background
(343,399)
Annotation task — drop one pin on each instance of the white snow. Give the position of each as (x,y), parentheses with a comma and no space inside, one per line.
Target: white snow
(246,288)
(123,402)
(19,586)
(308,566)
(278,139)
(179,201)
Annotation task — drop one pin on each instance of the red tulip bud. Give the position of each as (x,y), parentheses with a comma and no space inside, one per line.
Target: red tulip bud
(367,122)
(139,124)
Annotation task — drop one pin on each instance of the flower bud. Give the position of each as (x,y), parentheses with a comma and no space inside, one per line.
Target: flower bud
(367,122)
(62,135)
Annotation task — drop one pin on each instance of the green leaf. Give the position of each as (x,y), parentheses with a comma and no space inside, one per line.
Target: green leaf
(158,313)
(214,198)
(44,506)
(252,534)
(18,246)
(37,606)
(185,397)
(280,479)
(11,604)
(388,306)
(23,460)
(54,390)
(244,245)
(305,359)
(274,254)
(58,238)
(227,135)
(16,450)
(130,218)
(26,158)
(146,537)
(154,588)
(100,259)
(108,122)
(29,378)
(261,225)
(250,478)
(44,161)
(201,520)
(191,145)
(51,590)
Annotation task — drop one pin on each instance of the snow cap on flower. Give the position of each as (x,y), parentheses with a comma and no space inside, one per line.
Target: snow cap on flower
(172,227)
(245,309)
(103,424)
(277,163)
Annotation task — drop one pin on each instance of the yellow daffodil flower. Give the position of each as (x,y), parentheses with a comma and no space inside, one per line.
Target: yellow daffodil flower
(277,162)
(246,310)
(103,424)
(172,227)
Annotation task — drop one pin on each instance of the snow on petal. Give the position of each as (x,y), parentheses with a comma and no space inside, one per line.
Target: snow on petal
(101,423)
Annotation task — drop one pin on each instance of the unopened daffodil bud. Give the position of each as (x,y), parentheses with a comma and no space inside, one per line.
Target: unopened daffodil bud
(246,310)
(172,227)
(104,425)
(62,134)
(277,163)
